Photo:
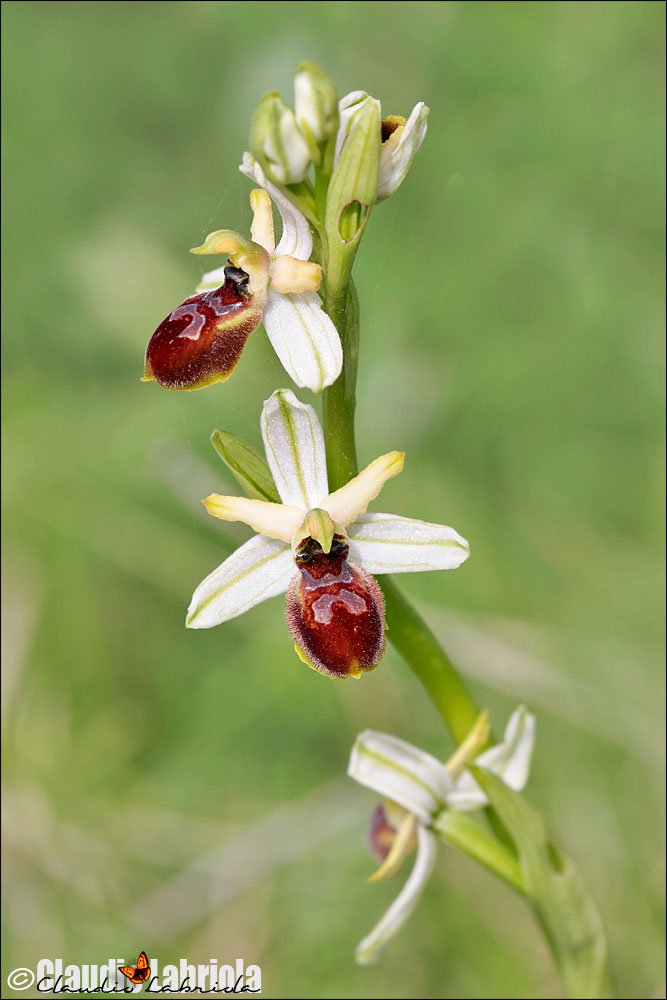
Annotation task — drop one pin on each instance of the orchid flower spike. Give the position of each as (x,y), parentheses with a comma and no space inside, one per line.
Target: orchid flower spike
(416,789)
(201,341)
(320,547)
(401,139)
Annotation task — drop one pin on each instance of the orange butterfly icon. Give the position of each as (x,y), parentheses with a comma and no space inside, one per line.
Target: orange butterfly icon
(138,973)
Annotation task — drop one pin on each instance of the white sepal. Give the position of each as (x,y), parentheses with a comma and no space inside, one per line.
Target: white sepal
(260,569)
(398,152)
(387,543)
(296,239)
(294,446)
(406,901)
(401,772)
(350,501)
(304,338)
(510,760)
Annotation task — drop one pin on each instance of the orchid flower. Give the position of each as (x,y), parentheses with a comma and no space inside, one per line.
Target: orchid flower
(200,342)
(320,547)
(401,139)
(417,788)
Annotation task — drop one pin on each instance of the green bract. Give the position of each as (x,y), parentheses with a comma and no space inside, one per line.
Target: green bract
(248,467)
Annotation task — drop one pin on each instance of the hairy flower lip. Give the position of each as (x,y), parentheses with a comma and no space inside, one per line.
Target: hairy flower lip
(201,340)
(337,621)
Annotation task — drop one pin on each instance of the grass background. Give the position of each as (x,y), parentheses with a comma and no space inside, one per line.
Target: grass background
(184,792)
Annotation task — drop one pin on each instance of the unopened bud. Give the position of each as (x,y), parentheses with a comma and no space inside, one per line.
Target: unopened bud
(354,184)
(277,142)
(315,104)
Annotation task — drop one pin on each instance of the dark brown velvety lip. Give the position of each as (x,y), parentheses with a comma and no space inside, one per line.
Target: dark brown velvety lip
(201,340)
(335,612)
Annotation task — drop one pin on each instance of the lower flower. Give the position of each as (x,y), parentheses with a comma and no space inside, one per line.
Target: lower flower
(417,789)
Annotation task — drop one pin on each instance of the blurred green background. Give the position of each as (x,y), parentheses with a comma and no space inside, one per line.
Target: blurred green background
(184,792)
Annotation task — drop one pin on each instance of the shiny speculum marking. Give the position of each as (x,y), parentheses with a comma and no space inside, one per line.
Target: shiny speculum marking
(201,341)
(335,611)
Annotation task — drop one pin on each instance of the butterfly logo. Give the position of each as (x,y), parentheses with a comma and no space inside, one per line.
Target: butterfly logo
(138,973)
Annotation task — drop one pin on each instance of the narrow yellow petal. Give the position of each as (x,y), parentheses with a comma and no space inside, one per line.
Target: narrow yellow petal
(275,520)
(261,229)
(350,501)
(291,275)
(472,745)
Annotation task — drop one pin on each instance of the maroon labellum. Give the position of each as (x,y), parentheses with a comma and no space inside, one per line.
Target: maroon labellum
(380,835)
(335,611)
(201,341)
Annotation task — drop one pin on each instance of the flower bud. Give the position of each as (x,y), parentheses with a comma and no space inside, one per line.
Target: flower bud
(349,108)
(315,103)
(354,184)
(277,142)
(335,611)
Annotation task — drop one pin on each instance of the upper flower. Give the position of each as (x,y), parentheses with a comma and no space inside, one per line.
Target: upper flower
(319,546)
(400,138)
(417,790)
(200,342)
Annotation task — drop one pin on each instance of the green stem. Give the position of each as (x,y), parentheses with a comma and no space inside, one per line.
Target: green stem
(407,631)
(413,639)
(462,831)
(339,400)
(579,952)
